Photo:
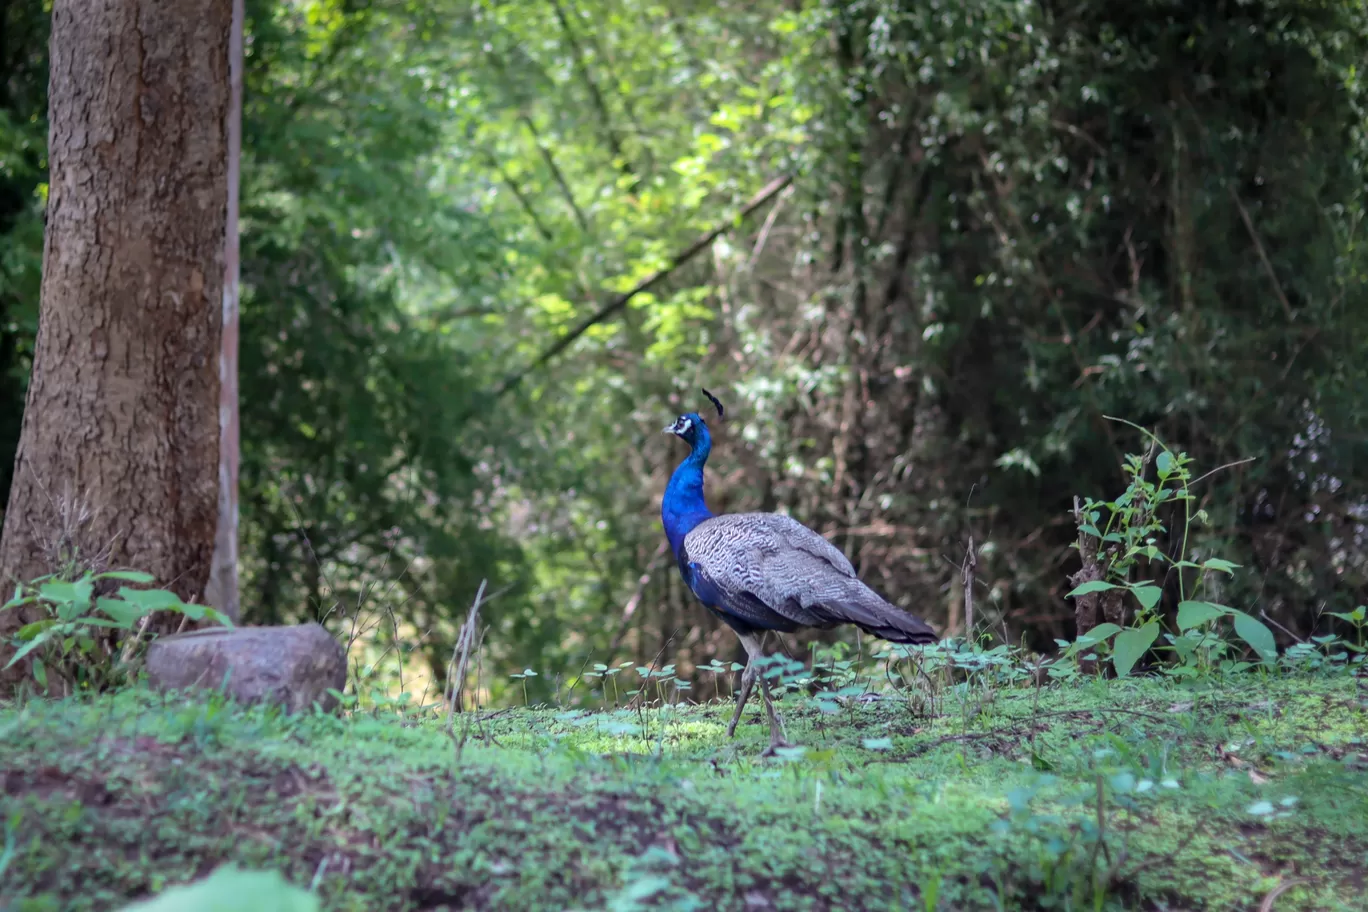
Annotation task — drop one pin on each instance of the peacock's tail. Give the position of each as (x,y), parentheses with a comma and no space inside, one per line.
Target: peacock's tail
(848,601)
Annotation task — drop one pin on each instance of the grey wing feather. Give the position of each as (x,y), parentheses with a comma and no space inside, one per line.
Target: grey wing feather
(804,539)
(769,531)
(776,561)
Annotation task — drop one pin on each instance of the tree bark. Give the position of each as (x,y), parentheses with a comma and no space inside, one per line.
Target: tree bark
(222,591)
(118,461)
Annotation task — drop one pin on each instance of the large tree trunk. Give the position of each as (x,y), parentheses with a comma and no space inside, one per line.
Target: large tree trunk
(118,460)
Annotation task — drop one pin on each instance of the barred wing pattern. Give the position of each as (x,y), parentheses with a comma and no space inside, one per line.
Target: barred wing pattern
(767,571)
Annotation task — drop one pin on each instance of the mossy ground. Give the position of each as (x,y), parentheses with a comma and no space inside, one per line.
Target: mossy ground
(1209,796)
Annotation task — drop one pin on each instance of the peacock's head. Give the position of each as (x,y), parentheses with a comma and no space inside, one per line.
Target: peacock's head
(686,427)
(690,426)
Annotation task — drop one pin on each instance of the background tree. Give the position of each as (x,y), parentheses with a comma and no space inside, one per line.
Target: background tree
(222,588)
(118,458)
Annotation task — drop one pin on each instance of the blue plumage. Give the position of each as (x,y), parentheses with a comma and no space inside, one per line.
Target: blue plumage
(683,507)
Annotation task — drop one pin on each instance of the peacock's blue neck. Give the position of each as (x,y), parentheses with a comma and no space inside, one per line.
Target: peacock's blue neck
(683,507)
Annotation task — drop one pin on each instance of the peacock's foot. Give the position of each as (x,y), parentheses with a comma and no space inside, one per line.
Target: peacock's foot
(773,749)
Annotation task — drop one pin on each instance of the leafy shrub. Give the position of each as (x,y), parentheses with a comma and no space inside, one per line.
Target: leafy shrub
(1121,539)
(85,641)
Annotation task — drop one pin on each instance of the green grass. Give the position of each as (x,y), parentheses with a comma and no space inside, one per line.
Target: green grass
(1204,797)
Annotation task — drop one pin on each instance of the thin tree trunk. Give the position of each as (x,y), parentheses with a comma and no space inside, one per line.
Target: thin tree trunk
(222,591)
(119,453)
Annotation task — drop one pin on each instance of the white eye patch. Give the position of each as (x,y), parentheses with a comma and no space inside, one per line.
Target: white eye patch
(682,425)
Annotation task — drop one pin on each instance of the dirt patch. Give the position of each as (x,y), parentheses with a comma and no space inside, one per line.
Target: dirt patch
(1309,853)
(50,782)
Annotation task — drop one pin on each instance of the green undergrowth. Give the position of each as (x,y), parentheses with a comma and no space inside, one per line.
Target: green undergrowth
(1130,794)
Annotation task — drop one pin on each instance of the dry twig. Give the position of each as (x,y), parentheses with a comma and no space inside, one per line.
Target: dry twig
(460,656)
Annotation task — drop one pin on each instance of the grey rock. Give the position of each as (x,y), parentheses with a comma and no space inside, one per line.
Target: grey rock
(293,666)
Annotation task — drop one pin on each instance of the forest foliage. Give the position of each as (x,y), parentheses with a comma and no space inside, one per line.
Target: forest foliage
(1008,224)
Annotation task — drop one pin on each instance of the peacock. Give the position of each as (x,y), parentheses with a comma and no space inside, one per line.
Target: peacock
(765,571)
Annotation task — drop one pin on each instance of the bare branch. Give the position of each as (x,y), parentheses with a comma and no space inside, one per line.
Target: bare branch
(522,198)
(1263,254)
(967,570)
(460,656)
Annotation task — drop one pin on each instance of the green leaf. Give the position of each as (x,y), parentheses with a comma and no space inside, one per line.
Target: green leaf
(1130,645)
(1092,638)
(125,613)
(57,592)
(29,631)
(232,890)
(1148,595)
(1216,563)
(40,672)
(1090,587)
(1195,614)
(71,599)
(150,600)
(1164,463)
(217,616)
(1254,632)
(84,589)
(1100,633)
(30,646)
(131,576)
(99,622)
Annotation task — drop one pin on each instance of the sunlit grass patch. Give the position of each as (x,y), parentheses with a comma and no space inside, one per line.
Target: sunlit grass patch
(1136,794)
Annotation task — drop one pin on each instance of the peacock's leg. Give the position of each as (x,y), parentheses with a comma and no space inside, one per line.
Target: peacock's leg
(777,733)
(742,695)
(754,652)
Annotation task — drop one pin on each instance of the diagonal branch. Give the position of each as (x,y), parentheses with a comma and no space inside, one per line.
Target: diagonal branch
(555,172)
(618,303)
(522,197)
(1263,254)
